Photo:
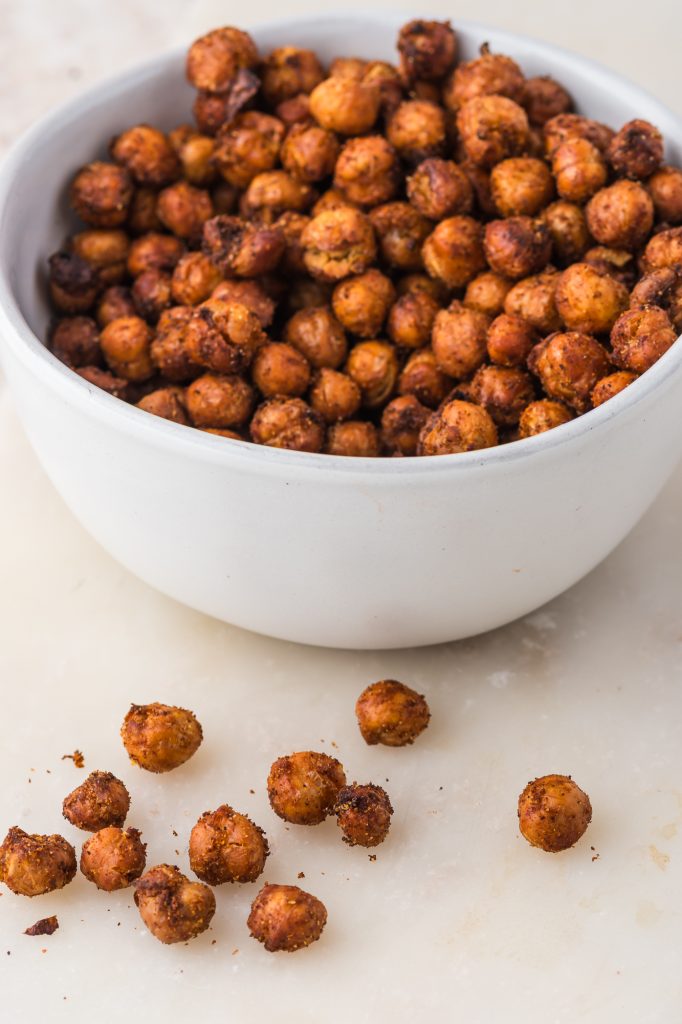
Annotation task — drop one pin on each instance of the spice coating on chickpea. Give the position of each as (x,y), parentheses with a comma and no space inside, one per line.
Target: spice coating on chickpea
(543,415)
(318,335)
(168,403)
(309,153)
(225,846)
(459,339)
(564,127)
(622,215)
(391,713)
(401,423)
(367,171)
(521,186)
(247,293)
(303,787)
(147,154)
(173,908)
(215,58)
(363,813)
(661,288)
(223,336)
(428,49)
(361,303)
(338,243)
(491,129)
(240,249)
(553,813)
(534,300)
(579,170)
(285,918)
(439,188)
(422,377)
(289,71)
(354,439)
(609,387)
(663,250)
(99,801)
(459,426)
(75,341)
(126,346)
(410,320)
(401,232)
(636,151)
(101,194)
(345,106)
(517,247)
(334,396)
(665,188)
(569,365)
(640,336)
(287,423)
(373,365)
(113,859)
(219,401)
(510,339)
(487,292)
(184,209)
(159,737)
(280,369)
(487,75)
(194,279)
(31,865)
(589,300)
(503,391)
(417,130)
(453,253)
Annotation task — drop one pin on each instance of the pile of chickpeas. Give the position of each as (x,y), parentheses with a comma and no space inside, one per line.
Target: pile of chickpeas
(370,259)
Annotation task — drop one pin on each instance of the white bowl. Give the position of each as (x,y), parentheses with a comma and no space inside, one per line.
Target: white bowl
(356,553)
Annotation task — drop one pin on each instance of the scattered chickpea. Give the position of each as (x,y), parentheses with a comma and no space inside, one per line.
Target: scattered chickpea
(410,320)
(289,71)
(422,377)
(152,294)
(303,787)
(401,232)
(534,300)
(241,249)
(154,251)
(579,170)
(553,813)
(147,155)
(113,859)
(219,401)
(487,75)
(318,335)
(287,423)
(173,908)
(223,336)
(168,349)
(285,918)
(504,392)
(363,813)
(31,865)
(517,247)
(521,186)
(428,49)
(309,153)
(184,209)
(114,302)
(225,846)
(663,250)
(345,106)
(417,129)
(106,250)
(510,339)
(391,713)
(99,801)
(453,253)
(334,396)
(250,294)
(545,98)
(338,243)
(459,426)
(142,216)
(73,283)
(568,230)
(367,171)
(661,288)
(214,60)
(543,415)
(158,737)
(568,126)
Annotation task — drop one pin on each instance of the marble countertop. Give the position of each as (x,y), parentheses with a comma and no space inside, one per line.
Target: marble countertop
(457,918)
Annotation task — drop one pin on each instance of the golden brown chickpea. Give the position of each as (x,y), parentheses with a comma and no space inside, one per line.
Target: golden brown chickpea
(579,170)
(361,303)
(367,171)
(219,402)
(113,859)
(73,283)
(661,288)
(619,263)
(401,423)
(280,369)
(303,787)
(422,377)
(553,813)
(332,199)
(457,427)
(194,279)
(521,186)
(248,146)
(503,391)
(609,387)
(115,386)
(622,215)
(338,243)
(663,250)
(154,252)
(363,813)
(101,194)
(354,439)
(345,106)
(665,188)
(373,365)
(386,78)
(459,339)
(534,300)
(568,231)
(640,336)
(126,347)
(391,713)
(510,340)
(309,153)
(428,49)
(318,335)
(334,395)
(168,403)
(411,318)
(247,293)
(416,129)
(142,216)
(147,155)
(544,415)
(287,423)
(152,294)
(588,299)
(439,189)
(453,253)
(352,68)
(106,250)
(113,303)
(487,75)
(273,193)
(491,129)
(168,349)
(159,737)
(240,249)
(636,151)
(285,918)
(401,232)
(544,98)
(563,127)
(75,341)
(517,246)
(288,72)
(225,846)
(99,801)
(196,158)
(569,364)
(213,60)
(184,209)
(173,908)
(31,865)
(487,292)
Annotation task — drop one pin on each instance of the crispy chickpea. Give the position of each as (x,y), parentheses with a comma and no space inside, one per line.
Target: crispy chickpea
(332,199)
(353,438)
(622,215)
(361,303)
(569,364)
(401,232)
(338,243)
(113,859)
(318,335)
(373,365)
(280,369)
(459,339)
(579,170)
(487,75)
(142,217)
(101,194)
(568,231)
(194,279)
(411,318)
(287,423)
(544,98)
(492,128)
(240,249)
(152,294)
(413,284)
(285,918)
(219,402)
(196,158)
(510,340)
(126,347)
(113,303)
(225,846)
(184,209)
(636,151)
(273,193)
(428,49)
(294,111)
(168,403)
(363,813)
(367,171)
(247,293)
(479,178)
(422,377)
(99,801)
(563,127)
(588,299)
(147,155)
(553,813)
(640,336)
(439,189)
(154,252)
(31,865)
(521,186)
(173,908)
(211,111)
(401,424)
(503,391)
(168,348)
(534,300)
(387,79)
(248,146)
(457,427)
(352,68)
(517,246)
(75,341)
(115,386)
(303,787)
(106,250)
(159,737)
(609,387)
(487,293)
(619,263)
(663,250)
(453,253)
(214,59)
(289,71)
(391,713)
(661,288)
(309,153)
(544,415)
(665,188)
(417,130)
(73,283)
(345,106)
(334,396)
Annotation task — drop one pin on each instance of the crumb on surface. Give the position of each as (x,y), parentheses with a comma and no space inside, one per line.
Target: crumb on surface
(76,757)
(45,926)
(301,874)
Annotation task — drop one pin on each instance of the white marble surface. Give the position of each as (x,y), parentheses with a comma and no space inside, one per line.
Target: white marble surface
(458,918)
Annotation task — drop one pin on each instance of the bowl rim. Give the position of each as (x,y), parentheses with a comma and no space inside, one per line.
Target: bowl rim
(16,334)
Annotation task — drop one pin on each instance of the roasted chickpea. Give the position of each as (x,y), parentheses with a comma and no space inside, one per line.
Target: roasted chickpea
(544,415)
(413,284)
(306,292)
(248,146)
(503,391)
(303,787)
(345,106)
(273,193)
(517,246)
(285,918)
(126,347)
(569,365)
(142,216)
(309,153)
(459,339)
(564,127)
(487,75)
(115,386)
(289,71)
(338,243)
(665,188)
(544,98)
(113,859)
(609,387)
(663,250)
(147,155)
(99,801)
(106,250)
(479,179)
(636,151)
(417,130)
(453,253)
(184,209)
(168,403)
(373,365)
(553,813)
(661,288)
(225,846)
(367,171)
(533,299)
(361,303)
(510,340)
(353,438)
(428,49)
(391,713)
(622,215)
(401,232)
(101,194)
(114,302)
(73,283)
(287,423)
(457,427)
(168,349)
(215,58)
(31,865)
(159,737)
(196,154)
(640,336)
(491,129)
(439,189)
(334,396)
(521,186)
(332,199)
(240,249)
(401,424)
(194,279)
(318,335)
(619,263)
(154,252)
(75,341)
(219,402)
(211,111)
(280,369)
(568,231)
(579,170)
(152,294)
(173,908)
(387,79)
(352,68)
(363,813)
(422,377)
(487,292)
(411,318)
(588,299)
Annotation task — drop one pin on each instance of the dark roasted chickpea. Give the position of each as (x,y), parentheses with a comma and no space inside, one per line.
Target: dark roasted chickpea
(544,98)
(663,250)
(219,402)
(640,336)
(479,179)
(361,303)
(106,250)
(73,283)
(159,737)
(184,209)
(287,423)
(588,299)
(345,106)
(373,365)
(303,787)
(391,713)
(101,194)
(517,246)
(428,49)
(553,813)
(544,415)
(503,391)
(492,128)
(309,153)
(534,300)
(142,217)
(665,188)
(147,155)
(154,252)
(487,292)
(225,846)
(113,303)
(168,349)
(401,424)
(417,130)
(521,186)
(636,151)
(294,111)
(401,232)
(453,253)
(459,339)
(579,170)
(564,127)
(318,335)
(280,369)
(75,341)
(622,215)
(439,189)
(99,801)
(609,387)
(367,171)
(247,293)
(619,263)
(289,71)
(661,288)
(168,403)
(240,249)
(249,145)
(421,283)
(173,908)
(285,918)
(510,340)
(487,75)
(568,231)
(569,365)
(223,336)
(306,292)
(31,865)
(113,859)
(353,438)
(152,294)
(194,279)
(211,111)
(214,59)
(338,243)
(126,347)
(363,813)
(273,193)
(411,318)
(116,386)
(422,377)
(334,395)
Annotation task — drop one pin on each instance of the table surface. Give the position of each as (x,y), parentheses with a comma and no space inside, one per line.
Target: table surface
(457,916)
